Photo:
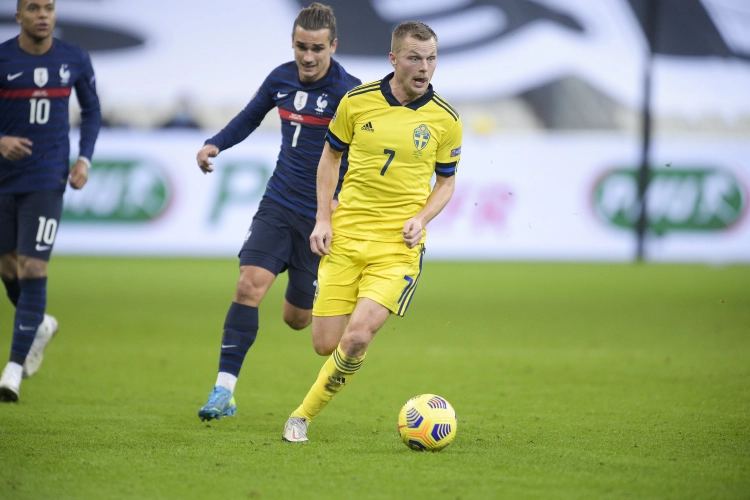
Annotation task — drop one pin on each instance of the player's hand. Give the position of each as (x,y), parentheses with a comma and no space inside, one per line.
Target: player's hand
(320,239)
(14,148)
(412,233)
(206,152)
(79,175)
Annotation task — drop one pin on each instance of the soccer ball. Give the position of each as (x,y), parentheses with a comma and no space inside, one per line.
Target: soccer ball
(427,423)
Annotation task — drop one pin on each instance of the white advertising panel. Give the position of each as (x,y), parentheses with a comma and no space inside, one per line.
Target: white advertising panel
(526,197)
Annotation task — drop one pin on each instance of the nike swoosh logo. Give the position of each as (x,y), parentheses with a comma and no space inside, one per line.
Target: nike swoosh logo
(227,346)
(26,329)
(14,76)
(280,95)
(42,248)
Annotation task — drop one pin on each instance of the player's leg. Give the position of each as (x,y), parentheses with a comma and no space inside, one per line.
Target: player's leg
(262,257)
(336,299)
(386,285)
(9,276)
(38,215)
(238,336)
(303,274)
(368,317)
(327,332)
(8,242)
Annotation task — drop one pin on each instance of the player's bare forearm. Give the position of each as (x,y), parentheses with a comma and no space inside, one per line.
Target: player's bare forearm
(327,178)
(439,197)
(79,174)
(328,175)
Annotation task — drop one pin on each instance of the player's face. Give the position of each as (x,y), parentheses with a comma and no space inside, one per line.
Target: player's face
(312,52)
(37,18)
(414,64)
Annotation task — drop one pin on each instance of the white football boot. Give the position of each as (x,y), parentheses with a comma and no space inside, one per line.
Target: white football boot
(295,430)
(47,329)
(10,383)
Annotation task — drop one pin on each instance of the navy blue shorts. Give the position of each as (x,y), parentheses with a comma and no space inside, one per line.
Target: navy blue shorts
(279,239)
(29,222)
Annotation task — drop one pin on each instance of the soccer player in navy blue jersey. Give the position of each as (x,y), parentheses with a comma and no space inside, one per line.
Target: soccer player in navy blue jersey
(306,93)
(37,73)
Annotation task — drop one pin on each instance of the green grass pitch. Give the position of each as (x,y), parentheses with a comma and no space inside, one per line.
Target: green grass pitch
(569,380)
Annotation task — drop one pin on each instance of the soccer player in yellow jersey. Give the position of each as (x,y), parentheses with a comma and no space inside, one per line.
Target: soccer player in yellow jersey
(398,133)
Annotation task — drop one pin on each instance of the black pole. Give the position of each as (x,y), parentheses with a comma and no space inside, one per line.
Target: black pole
(651,24)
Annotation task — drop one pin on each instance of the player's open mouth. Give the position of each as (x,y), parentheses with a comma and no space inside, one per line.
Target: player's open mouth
(420,82)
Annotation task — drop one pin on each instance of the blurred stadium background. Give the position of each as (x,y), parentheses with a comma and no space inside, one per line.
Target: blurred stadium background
(552,94)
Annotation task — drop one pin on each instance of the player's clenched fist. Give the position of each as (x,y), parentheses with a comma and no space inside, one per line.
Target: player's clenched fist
(320,239)
(206,152)
(412,232)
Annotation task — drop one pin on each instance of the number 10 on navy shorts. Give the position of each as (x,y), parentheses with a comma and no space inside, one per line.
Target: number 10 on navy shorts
(29,222)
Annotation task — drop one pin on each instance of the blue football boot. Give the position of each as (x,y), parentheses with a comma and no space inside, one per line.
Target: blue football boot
(220,404)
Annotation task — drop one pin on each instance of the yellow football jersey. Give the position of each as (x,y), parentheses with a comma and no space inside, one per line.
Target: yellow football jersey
(393,152)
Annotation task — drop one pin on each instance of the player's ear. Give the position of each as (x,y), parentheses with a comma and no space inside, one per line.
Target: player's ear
(334,44)
(392,58)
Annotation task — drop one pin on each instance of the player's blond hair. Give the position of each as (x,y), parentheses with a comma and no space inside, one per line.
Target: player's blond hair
(316,17)
(413,29)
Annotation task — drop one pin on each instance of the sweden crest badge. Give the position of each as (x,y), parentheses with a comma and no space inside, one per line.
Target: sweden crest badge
(421,137)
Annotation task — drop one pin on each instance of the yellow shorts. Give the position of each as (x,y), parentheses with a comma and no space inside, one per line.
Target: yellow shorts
(387,273)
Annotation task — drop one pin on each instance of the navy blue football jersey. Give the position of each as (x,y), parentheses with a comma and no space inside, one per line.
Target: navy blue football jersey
(34,95)
(306,110)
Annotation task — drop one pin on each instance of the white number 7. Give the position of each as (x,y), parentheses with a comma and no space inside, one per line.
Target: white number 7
(298,126)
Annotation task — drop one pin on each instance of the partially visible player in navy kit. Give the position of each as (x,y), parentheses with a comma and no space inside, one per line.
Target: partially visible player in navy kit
(306,92)
(37,73)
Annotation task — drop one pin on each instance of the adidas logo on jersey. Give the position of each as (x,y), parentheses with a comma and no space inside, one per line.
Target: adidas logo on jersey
(367,127)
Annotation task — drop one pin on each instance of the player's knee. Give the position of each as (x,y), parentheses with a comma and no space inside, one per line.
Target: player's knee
(355,343)
(248,292)
(8,266)
(297,321)
(30,268)
(323,348)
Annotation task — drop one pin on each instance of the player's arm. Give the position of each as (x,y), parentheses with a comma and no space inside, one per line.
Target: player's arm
(239,128)
(436,202)
(91,122)
(328,176)
(14,148)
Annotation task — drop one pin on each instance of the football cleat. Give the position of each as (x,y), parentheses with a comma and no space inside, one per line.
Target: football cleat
(295,430)
(10,384)
(47,329)
(220,404)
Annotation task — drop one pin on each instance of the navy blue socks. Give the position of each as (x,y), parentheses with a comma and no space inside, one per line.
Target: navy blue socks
(32,300)
(240,329)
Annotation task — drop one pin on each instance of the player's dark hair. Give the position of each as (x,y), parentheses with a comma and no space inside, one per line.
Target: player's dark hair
(414,29)
(316,17)
(18,5)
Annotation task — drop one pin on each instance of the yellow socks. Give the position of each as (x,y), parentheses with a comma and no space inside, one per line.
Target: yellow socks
(335,374)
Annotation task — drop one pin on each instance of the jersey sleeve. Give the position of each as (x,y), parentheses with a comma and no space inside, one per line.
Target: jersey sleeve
(449,151)
(247,120)
(91,116)
(340,134)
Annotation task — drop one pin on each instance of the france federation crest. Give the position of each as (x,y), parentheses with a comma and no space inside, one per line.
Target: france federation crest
(41,77)
(421,137)
(64,75)
(300,99)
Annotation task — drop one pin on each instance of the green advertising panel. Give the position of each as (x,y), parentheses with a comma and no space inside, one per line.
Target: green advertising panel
(688,200)
(119,191)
